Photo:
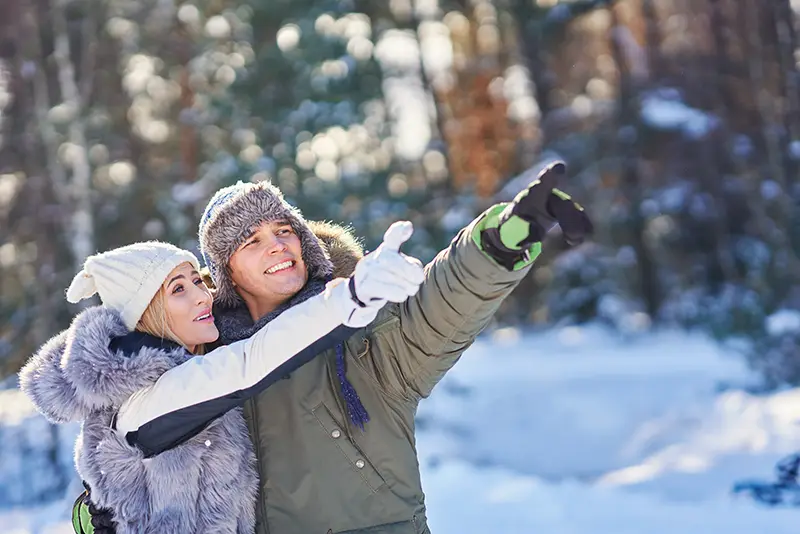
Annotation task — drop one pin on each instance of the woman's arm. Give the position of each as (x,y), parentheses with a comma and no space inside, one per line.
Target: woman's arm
(188,397)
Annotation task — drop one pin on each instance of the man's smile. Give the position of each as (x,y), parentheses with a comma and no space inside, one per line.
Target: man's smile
(282,266)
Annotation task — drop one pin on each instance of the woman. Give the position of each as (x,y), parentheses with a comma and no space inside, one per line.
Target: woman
(121,365)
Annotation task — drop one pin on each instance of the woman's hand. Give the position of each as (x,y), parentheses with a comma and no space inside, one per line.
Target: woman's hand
(385,275)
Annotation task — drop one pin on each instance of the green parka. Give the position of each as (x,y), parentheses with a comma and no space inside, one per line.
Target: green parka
(318,473)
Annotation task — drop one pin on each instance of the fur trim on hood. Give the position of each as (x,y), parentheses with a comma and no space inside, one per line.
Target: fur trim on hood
(343,247)
(76,372)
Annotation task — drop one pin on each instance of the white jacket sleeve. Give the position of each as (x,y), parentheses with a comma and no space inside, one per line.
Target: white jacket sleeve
(188,397)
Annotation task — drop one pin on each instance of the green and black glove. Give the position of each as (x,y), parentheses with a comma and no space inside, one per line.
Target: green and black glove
(510,235)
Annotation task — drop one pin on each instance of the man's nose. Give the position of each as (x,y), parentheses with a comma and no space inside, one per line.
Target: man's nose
(276,245)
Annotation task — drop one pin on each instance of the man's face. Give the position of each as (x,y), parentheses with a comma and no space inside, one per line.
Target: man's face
(268,268)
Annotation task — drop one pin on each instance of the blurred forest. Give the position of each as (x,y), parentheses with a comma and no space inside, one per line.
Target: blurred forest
(679,121)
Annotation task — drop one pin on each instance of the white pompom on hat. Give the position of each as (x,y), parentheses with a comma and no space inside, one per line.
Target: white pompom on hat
(127,278)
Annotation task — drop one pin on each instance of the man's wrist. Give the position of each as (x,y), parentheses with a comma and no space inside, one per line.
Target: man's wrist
(493,239)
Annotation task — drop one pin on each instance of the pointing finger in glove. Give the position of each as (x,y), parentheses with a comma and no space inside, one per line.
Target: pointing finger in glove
(575,224)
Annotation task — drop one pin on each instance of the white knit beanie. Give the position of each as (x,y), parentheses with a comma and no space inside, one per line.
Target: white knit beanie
(127,278)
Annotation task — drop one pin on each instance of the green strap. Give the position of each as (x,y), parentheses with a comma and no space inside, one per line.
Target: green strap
(514,231)
(81,518)
(563,196)
(511,233)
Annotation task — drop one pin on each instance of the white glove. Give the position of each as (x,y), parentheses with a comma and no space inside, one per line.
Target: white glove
(337,293)
(387,273)
(383,275)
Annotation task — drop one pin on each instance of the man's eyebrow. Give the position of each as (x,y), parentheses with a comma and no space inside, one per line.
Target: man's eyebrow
(279,222)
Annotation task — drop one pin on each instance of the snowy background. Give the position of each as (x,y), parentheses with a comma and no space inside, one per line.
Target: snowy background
(679,124)
(567,431)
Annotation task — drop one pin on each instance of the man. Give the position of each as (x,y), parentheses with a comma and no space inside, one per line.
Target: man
(335,440)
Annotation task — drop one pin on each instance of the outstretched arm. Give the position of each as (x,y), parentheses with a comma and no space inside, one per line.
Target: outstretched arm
(467,282)
(189,396)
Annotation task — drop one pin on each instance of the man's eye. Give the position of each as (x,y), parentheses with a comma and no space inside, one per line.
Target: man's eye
(251,242)
(284,231)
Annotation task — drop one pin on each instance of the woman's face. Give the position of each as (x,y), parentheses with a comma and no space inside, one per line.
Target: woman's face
(188,305)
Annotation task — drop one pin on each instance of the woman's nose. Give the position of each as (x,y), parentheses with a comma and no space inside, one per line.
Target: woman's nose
(203,297)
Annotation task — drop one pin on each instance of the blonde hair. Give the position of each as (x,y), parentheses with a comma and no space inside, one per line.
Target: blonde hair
(154,321)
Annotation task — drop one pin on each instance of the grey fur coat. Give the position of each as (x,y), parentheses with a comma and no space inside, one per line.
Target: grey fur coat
(207,484)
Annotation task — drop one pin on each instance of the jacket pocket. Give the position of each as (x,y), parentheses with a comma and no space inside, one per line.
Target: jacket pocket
(358,461)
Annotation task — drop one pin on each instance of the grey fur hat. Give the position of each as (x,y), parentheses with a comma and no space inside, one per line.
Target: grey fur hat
(228,220)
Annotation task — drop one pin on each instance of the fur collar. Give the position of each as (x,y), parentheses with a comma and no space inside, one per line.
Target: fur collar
(76,372)
(342,246)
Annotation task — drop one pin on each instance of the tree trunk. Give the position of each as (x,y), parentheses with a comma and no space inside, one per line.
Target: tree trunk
(782,18)
(628,132)
(80,187)
(653,40)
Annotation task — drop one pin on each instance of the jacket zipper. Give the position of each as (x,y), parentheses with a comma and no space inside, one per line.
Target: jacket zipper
(261,497)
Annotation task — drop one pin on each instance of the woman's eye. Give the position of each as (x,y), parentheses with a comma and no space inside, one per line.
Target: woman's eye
(198,282)
(177,289)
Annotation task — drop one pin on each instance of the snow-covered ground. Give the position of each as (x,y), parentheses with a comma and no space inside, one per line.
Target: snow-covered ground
(578,431)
